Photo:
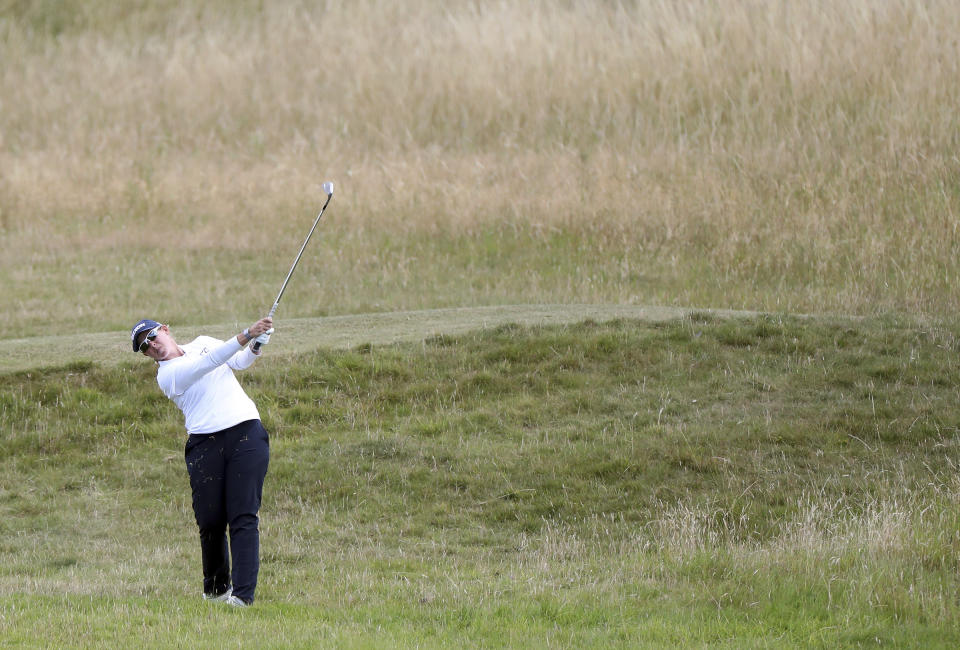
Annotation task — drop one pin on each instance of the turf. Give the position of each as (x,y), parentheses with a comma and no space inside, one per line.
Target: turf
(747,481)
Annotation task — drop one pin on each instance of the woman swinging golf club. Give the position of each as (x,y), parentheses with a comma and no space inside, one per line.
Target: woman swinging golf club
(227,450)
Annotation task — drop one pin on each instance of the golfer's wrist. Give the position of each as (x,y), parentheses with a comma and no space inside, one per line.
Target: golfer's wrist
(247,335)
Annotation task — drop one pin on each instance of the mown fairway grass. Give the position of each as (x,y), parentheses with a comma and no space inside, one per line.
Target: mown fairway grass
(752,482)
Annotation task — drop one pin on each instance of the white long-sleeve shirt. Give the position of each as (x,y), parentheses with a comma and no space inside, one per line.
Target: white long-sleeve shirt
(202,384)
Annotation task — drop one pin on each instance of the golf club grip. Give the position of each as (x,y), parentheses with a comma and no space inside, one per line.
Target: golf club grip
(273,310)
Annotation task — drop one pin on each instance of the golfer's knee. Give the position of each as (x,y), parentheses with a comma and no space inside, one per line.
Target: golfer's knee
(211,528)
(244,522)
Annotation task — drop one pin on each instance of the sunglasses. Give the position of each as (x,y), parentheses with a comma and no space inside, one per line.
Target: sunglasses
(152,334)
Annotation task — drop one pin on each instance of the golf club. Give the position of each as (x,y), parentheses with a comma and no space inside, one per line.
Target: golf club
(328,188)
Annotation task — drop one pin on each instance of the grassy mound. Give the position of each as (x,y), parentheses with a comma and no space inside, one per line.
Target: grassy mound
(697,480)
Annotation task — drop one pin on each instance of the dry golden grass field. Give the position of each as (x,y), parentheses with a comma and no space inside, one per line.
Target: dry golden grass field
(165,157)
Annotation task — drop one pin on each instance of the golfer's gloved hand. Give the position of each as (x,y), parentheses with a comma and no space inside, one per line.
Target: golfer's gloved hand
(264,338)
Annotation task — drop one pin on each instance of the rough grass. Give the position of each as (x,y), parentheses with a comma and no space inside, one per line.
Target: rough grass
(752,482)
(166,157)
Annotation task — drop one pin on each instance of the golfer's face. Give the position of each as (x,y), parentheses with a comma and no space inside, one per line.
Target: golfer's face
(157,344)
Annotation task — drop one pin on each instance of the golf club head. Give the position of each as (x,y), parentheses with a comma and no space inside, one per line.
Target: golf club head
(328,188)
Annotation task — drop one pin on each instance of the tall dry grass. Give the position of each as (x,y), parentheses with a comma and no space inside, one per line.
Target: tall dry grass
(749,154)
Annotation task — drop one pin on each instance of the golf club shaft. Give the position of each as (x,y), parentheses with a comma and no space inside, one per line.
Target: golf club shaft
(299,255)
(276,303)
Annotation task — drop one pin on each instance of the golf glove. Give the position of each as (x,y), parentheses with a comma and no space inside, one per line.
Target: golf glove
(264,338)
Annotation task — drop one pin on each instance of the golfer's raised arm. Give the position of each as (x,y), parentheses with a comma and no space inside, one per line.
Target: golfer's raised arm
(179,374)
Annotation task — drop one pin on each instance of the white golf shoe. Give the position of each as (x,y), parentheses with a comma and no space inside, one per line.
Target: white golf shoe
(222,598)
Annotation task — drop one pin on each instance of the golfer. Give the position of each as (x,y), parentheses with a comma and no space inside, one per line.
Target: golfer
(227,448)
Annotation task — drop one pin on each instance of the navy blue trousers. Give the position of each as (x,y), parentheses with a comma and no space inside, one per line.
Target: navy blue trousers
(226,471)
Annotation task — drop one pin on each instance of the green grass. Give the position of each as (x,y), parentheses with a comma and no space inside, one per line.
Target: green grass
(738,482)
